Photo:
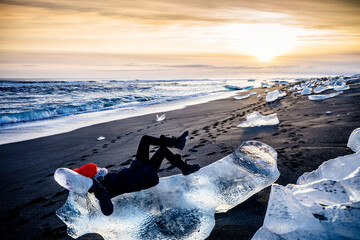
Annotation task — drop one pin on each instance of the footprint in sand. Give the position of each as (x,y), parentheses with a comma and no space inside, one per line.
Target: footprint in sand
(83,158)
(52,202)
(127,162)
(59,193)
(16,189)
(199,145)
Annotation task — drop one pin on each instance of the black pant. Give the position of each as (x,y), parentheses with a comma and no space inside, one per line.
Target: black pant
(156,160)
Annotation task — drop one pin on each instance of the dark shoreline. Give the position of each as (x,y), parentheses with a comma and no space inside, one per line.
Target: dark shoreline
(305,137)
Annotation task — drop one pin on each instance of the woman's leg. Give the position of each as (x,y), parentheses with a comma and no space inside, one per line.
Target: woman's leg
(158,157)
(144,147)
(174,159)
(145,142)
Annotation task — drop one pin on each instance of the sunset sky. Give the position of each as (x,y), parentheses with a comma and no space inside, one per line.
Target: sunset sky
(154,39)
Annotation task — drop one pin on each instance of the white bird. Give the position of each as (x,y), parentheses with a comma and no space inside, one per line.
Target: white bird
(160,118)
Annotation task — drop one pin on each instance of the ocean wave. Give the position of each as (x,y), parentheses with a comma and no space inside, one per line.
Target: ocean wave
(24,100)
(100,104)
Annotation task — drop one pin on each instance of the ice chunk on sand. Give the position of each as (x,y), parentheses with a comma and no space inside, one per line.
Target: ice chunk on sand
(334,169)
(239,97)
(319,89)
(340,85)
(324,96)
(324,205)
(160,118)
(272,96)
(100,138)
(306,91)
(282,94)
(259,96)
(354,140)
(179,207)
(253,93)
(328,112)
(255,119)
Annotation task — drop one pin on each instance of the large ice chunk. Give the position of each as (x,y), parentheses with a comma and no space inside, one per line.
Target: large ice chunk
(272,96)
(340,85)
(354,140)
(179,207)
(319,89)
(323,96)
(306,91)
(255,119)
(324,205)
(335,169)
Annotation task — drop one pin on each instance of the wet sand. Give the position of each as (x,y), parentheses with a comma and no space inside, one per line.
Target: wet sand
(305,137)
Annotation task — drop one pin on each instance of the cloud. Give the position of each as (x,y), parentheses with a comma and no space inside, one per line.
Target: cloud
(214,67)
(316,14)
(29,65)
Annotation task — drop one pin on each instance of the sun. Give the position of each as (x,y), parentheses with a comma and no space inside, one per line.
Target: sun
(264,41)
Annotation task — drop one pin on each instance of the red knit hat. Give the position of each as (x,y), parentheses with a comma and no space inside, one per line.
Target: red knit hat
(88,170)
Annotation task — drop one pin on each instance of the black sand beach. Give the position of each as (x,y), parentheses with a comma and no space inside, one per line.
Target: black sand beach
(305,137)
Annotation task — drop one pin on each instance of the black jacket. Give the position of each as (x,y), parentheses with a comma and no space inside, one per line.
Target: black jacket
(135,178)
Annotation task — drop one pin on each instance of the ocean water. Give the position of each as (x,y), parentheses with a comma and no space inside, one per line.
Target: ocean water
(31,108)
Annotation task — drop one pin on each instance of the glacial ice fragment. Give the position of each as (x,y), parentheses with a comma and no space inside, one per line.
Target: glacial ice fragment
(100,138)
(255,119)
(306,91)
(259,96)
(343,166)
(239,97)
(319,89)
(253,93)
(325,204)
(323,96)
(272,96)
(340,85)
(179,207)
(354,140)
(282,94)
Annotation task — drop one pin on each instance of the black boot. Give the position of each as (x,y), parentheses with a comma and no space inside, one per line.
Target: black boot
(178,142)
(102,195)
(185,168)
(190,168)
